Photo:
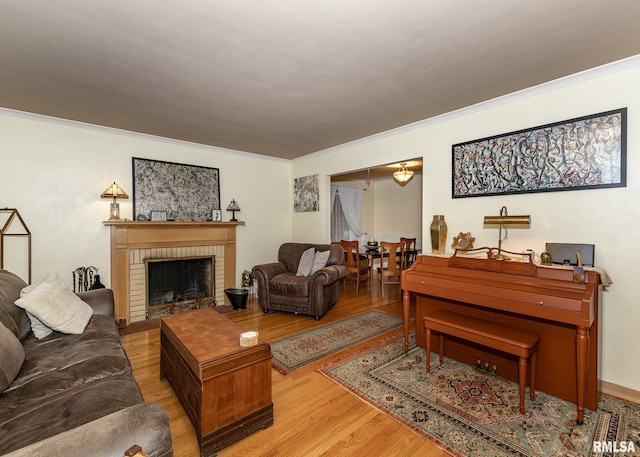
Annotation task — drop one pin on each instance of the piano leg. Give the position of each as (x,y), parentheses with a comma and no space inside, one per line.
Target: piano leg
(522,379)
(406,305)
(428,349)
(582,354)
(532,376)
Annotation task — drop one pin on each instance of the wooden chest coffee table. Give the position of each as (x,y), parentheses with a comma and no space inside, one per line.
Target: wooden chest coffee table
(225,388)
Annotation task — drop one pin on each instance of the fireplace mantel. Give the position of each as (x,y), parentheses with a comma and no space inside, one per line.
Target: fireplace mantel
(127,236)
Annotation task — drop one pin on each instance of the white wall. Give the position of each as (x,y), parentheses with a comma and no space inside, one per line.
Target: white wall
(608,218)
(382,151)
(398,209)
(54,171)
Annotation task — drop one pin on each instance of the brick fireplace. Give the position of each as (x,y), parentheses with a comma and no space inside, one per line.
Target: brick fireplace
(133,243)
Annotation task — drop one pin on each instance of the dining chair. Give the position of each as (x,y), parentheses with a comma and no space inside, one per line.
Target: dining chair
(410,252)
(391,272)
(358,269)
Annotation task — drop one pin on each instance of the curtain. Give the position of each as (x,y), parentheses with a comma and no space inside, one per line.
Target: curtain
(334,192)
(347,212)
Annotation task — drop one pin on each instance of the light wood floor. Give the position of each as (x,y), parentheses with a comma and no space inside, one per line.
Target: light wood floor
(312,415)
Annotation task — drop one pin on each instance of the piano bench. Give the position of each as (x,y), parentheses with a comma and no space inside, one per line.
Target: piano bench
(511,340)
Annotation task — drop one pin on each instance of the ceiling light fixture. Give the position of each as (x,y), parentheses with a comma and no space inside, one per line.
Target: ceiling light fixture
(403,175)
(368,180)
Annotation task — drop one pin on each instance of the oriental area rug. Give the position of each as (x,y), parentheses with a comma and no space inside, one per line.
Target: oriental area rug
(305,347)
(468,412)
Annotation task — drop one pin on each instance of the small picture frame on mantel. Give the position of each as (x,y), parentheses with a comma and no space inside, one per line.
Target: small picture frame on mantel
(216,215)
(158,215)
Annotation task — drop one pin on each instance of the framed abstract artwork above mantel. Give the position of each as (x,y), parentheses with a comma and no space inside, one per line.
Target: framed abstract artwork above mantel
(184,192)
(588,152)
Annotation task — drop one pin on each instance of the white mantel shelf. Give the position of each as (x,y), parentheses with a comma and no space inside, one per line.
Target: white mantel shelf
(126,236)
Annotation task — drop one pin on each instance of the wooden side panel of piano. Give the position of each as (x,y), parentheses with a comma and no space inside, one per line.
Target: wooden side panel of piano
(548,303)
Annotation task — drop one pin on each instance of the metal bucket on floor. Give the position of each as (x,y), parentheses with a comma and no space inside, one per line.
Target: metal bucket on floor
(237,297)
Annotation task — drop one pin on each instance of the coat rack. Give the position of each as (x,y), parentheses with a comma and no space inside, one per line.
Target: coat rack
(11,216)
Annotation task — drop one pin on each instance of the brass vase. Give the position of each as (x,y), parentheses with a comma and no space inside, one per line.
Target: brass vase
(438,234)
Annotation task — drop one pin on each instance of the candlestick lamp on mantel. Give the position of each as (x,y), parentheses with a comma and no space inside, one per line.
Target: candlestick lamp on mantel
(233,207)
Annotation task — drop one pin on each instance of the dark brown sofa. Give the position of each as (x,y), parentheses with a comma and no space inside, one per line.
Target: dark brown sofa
(279,288)
(74,395)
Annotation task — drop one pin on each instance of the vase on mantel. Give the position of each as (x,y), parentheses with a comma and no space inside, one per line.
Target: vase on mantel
(438,234)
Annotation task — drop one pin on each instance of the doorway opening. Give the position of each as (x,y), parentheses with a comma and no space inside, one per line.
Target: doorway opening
(388,211)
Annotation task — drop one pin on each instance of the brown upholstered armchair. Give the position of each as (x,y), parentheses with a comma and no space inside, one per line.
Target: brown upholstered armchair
(313,293)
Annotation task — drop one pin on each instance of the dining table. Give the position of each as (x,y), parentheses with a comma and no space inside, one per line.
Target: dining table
(372,254)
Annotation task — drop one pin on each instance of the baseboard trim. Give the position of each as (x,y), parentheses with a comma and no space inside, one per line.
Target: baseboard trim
(622,392)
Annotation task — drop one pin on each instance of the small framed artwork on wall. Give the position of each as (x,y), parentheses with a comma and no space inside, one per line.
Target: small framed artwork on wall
(306,194)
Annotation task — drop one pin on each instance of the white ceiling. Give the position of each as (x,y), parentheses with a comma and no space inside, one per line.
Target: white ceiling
(291,77)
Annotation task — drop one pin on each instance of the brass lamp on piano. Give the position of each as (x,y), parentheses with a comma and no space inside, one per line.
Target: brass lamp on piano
(504,220)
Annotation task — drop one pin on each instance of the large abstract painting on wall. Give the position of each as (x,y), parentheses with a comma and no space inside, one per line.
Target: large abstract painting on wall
(582,153)
(184,192)
(306,194)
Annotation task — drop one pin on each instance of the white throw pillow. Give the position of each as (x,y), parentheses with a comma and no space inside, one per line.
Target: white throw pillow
(306,262)
(39,329)
(55,306)
(320,260)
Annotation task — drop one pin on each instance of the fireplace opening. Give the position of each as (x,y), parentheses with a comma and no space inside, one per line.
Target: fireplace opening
(178,285)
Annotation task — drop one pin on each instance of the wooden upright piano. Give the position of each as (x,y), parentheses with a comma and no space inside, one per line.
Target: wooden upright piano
(545,300)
